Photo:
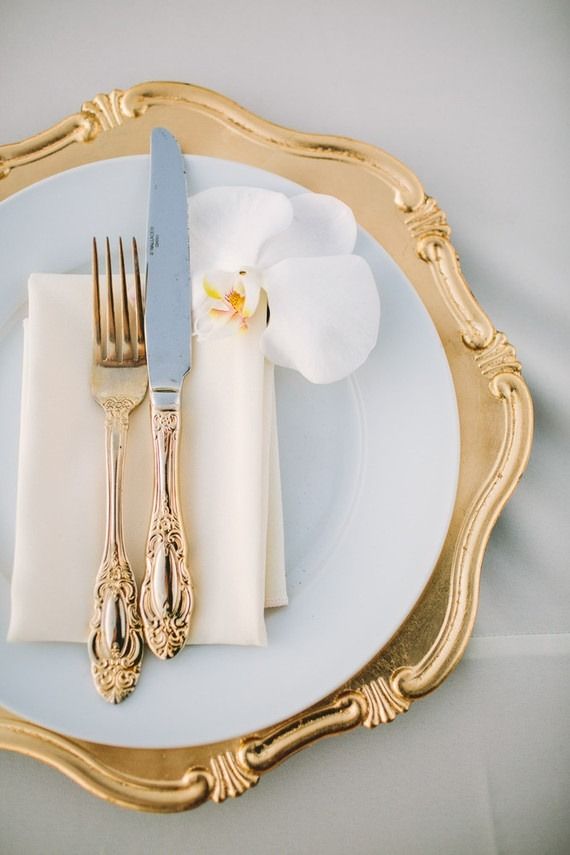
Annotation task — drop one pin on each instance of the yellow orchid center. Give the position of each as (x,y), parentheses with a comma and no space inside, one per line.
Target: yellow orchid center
(228,303)
(236,301)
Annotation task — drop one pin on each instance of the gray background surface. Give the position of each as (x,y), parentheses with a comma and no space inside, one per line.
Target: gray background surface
(473,96)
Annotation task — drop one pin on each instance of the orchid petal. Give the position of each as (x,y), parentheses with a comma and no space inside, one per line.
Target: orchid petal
(321,225)
(324,315)
(252,291)
(229,225)
(211,290)
(216,323)
(208,292)
(211,286)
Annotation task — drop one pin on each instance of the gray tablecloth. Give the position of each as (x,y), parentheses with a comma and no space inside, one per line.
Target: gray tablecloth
(473,96)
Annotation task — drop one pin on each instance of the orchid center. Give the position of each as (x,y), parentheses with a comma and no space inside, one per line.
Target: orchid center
(227,298)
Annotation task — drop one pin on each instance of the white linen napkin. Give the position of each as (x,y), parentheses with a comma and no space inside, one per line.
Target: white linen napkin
(229,474)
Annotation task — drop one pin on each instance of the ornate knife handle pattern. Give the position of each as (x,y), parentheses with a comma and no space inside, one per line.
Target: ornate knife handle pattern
(116,640)
(166,595)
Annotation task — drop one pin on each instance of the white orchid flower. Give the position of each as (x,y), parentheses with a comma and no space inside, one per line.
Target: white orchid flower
(323,303)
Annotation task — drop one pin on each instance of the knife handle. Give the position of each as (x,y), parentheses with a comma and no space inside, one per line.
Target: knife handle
(166,595)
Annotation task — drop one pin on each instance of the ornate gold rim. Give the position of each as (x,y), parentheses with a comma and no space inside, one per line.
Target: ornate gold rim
(495,412)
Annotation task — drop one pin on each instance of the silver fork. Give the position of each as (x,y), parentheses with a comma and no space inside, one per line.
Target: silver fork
(119,384)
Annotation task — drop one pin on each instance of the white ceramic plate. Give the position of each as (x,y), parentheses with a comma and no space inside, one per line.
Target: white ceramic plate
(369,469)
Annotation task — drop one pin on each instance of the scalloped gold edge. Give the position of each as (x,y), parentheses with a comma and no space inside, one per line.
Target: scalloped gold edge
(107,111)
(376,698)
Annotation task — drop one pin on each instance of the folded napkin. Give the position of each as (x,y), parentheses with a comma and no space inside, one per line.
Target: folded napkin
(229,478)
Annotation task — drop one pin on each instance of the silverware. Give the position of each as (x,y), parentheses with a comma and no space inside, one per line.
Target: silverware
(119,384)
(166,596)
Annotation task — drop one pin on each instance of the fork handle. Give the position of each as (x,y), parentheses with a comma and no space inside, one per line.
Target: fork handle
(116,639)
(166,595)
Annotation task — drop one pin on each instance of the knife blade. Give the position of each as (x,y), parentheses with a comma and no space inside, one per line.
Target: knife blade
(168,296)
(166,600)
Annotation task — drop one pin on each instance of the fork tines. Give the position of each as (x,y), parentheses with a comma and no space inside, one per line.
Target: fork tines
(108,349)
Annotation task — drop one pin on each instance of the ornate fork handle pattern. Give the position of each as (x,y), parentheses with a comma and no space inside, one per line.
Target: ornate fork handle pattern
(166,595)
(116,639)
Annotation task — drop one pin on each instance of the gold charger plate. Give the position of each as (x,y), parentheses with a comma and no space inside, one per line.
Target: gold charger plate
(495,412)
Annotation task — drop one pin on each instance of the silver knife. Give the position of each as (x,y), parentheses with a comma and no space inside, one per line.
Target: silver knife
(166,595)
